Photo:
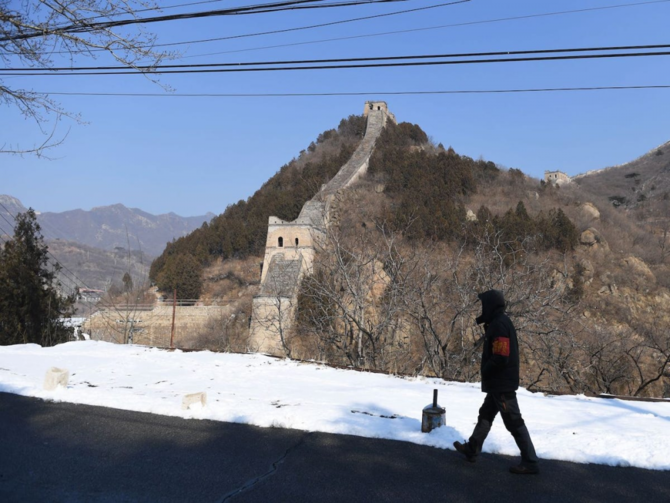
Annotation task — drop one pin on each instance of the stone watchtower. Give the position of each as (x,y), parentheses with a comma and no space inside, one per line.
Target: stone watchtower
(379,106)
(290,247)
(556,177)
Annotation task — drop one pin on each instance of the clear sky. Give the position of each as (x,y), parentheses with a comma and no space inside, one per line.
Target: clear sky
(193,155)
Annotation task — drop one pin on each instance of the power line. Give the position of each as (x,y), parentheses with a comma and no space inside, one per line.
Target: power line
(313,26)
(353,66)
(411,30)
(287,30)
(150,9)
(371,93)
(3,234)
(352,60)
(253,9)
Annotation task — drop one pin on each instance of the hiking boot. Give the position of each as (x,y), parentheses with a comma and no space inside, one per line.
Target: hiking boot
(466,450)
(525,469)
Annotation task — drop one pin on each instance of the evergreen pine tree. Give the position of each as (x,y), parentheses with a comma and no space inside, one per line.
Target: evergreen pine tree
(183,273)
(31,307)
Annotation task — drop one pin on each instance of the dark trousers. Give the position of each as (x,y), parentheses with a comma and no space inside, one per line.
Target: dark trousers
(508,406)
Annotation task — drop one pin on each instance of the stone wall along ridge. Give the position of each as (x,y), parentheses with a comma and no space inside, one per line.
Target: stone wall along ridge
(291,246)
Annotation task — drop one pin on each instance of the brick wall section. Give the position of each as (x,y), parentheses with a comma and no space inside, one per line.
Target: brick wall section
(156,324)
(285,265)
(358,164)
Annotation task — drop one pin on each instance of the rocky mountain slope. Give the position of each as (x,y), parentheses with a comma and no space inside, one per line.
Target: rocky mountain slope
(95,268)
(642,182)
(110,227)
(94,244)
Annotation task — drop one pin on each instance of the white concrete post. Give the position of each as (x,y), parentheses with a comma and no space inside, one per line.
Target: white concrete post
(56,377)
(194,399)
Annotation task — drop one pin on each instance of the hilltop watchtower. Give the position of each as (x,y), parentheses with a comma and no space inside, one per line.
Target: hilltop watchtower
(557,177)
(380,106)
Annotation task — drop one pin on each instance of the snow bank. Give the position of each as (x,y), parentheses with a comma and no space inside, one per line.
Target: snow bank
(267,392)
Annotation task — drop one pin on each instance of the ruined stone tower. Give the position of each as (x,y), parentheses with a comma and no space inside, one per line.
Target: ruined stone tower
(291,246)
(556,177)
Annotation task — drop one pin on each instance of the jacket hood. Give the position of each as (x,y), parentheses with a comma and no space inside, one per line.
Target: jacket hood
(493,302)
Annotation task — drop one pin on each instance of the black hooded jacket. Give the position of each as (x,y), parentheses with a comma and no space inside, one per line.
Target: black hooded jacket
(500,354)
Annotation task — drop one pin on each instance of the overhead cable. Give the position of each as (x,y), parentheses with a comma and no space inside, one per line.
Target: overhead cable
(351,60)
(359,93)
(254,9)
(396,32)
(287,30)
(345,66)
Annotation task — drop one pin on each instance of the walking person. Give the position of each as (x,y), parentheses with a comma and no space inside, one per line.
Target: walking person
(500,380)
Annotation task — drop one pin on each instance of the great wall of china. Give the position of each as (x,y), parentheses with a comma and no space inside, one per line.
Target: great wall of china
(291,246)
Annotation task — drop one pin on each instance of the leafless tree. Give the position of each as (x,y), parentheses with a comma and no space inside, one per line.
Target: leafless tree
(650,353)
(353,298)
(125,309)
(124,312)
(441,299)
(37,34)
(228,331)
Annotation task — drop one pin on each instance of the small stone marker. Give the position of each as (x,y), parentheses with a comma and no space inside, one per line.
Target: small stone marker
(433,416)
(56,377)
(194,399)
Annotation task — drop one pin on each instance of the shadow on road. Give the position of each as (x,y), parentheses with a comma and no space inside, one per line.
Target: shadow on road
(65,452)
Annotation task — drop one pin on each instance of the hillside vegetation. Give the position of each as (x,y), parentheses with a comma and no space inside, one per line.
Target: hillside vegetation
(640,190)
(241,229)
(418,237)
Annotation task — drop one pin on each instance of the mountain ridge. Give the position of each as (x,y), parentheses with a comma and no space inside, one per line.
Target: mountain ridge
(109,227)
(642,182)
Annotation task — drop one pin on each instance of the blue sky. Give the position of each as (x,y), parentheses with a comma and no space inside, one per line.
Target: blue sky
(193,155)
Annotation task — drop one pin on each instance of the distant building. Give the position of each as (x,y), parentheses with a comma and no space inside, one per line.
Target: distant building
(556,177)
(88,294)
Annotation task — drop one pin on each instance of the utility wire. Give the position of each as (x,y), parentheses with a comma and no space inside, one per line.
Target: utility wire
(313,26)
(353,66)
(254,9)
(397,32)
(287,30)
(4,233)
(352,60)
(375,93)
(150,9)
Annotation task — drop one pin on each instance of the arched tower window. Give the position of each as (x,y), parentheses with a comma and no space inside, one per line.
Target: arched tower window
(280,242)
(296,242)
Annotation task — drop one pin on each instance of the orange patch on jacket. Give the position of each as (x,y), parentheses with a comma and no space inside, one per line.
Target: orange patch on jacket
(501,346)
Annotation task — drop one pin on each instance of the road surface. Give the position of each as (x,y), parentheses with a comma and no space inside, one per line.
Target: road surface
(52,452)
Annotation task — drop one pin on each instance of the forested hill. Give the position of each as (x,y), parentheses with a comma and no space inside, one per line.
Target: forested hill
(412,242)
(425,184)
(241,229)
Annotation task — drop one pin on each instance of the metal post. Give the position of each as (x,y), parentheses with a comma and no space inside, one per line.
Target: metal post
(174,309)
(434,398)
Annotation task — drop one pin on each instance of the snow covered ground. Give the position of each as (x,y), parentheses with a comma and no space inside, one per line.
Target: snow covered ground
(267,392)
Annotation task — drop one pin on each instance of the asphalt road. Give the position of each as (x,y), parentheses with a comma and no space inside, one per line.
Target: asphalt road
(52,452)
